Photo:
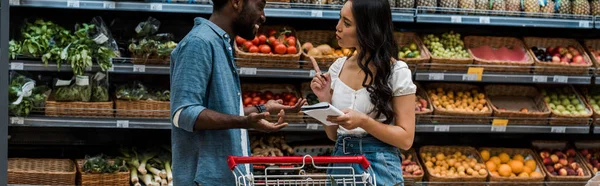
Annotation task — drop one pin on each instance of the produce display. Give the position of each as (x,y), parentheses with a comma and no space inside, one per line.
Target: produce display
(421,104)
(595,53)
(266,146)
(594,101)
(273,42)
(453,165)
(409,51)
(470,101)
(137,91)
(561,162)
(559,54)
(23,96)
(591,156)
(449,45)
(152,167)
(410,167)
(564,101)
(251,98)
(503,165)
(79,90)
(501,54)
(101,164)
(148,44)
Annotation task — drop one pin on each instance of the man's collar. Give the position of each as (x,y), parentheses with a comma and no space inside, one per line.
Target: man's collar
(213,26)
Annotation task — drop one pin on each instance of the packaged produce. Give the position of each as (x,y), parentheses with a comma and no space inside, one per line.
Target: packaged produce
(67,91)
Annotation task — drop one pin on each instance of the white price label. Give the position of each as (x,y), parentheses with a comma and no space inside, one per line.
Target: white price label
(498,128)
(436,76)
(560,79)
(469,77)
(248,71)
(455,19)
(584,24)
(484,20)
(17,120)
(316,13)
(16,66)
(540,79)
(14,2)
(441,128)
(109,4)
(139,68)
(312,73)
(74,4)
(312,126)
(155,6)
(122,123)
(558,129)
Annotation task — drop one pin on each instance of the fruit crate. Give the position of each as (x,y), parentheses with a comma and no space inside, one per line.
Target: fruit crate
(557,68)
(41,171)
(316,37)
(515,97)
(469,152)
(410,158)
(245,59)
(590,44)
(406,38)
(506,66)
(448,64)
(277,89)
(543,146)
(457,116)
(589,145)
(305,90)
(587,94)
(527,154)
(558,118)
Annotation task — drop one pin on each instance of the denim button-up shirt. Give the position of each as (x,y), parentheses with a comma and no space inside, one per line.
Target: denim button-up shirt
(204,76)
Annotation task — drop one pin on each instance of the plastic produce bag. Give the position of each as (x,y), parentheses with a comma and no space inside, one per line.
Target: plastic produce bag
(147,28)
(132,92)
(20,90)
(78,91)
(103,36)
(100,88)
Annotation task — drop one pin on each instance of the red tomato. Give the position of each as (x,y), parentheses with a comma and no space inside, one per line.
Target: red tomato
(290,41)
(253,94)
(272,40)
(272,32)
(265,49)
(253,49)
(256,99)
(255,102)
(292,50)
(294,100)
(255,41)
(268,97)
(262,102)
(291,37)
(285,103)
(247,45)
(246,94)
(280,49)
(277,96)
(288,96)
(247,100)
(262,39)
(292,104)
(239,40)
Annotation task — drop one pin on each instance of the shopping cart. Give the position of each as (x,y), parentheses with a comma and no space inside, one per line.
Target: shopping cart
(301,178)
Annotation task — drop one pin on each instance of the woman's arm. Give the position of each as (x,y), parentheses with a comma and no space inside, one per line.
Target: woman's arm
(401,134)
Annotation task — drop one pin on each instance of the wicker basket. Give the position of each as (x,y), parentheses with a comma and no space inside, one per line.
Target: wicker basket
(78,109)
(518,181)
(424,116)
(587,93)
(41,171)
(459,117)
(558,68)
(594,43)
(498,42)
(448,64)
(539,113)
(246,59)
(563,119)
(406,38)
(152,60)
(552,178)
(412,179)
(587,145)
(143,109)
(467,151)
(276,89)
(316,37)
(115,179)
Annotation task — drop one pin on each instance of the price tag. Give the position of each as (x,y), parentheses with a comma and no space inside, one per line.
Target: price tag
(14,2)
(498,128)
(316,13)
(558,129)
(436,76)
(155,6)
(499,122)
(139,68)
(584,24)
(455,19)
(561,79)
(441,128)
(484,20)
(16,66)
(109,4)
(247,71)
(540,79)
(17,120)
(312,126)
(122,123)
(469,77)
(312,73)
(477,71)
(74,4)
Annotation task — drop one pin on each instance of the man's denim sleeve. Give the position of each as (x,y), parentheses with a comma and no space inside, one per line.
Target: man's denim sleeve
(190,75)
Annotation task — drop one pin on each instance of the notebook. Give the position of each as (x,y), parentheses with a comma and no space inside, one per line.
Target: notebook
(320,111)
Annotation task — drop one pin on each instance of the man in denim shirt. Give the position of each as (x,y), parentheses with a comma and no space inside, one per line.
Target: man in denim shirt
(209,122)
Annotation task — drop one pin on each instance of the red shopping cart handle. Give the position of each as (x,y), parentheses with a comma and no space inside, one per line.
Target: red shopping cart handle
(232,161)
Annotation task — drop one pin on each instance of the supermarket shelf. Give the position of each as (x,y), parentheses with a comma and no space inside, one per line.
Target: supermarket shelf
(43,121)
(503,78)
(499,18)
(507,129)
(36,65)
(596,129)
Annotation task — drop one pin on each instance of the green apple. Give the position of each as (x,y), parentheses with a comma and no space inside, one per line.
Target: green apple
(574,101)
(556,102)
(572,96)
(566,112)
(553,96)
(592,101)
(547,99)
(560,108)
(583,112)
(597,97)
(565,101)
(571,108)
(596,107)
(552,106)
(580,107)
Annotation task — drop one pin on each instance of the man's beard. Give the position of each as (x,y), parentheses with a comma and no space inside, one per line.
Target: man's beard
(243,26)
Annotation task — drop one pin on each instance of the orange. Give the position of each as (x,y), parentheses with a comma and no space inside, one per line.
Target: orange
(536,174)
(504,170)
(527,170)
(491,166)
(485,155)
(524,175)
(496,160)
(504,158)
(518,157)
(495,174)
(516,166)
(531,164)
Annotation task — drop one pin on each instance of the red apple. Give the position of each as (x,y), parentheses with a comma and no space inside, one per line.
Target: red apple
(580,172)
(563,51)
(571,172)
(572,152)
(558,166)
(554,158)
(568,55)
(556,59)
(562,172)
(548,161)
(557,55)
(544,154)
(577,59)
(558,49)
(560,154)
(575,52)
(565,59)
(574,165)
(550,168)
(571,160)
(584,152)
(564,162)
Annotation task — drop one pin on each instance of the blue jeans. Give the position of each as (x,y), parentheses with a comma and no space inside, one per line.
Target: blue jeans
(384,158)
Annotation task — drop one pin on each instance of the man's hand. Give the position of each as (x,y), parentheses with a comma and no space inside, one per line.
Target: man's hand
(276,106)
(257,121)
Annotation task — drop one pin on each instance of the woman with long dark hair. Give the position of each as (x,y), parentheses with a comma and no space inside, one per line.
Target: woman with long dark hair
(374,90)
